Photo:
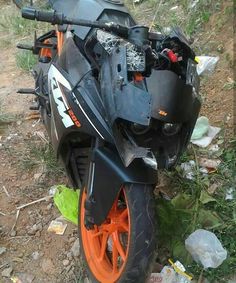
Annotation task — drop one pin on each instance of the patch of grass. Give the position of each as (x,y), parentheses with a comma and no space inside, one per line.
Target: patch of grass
(229,85)
(189,17)
(5,42)
(5,118)
(16,25)
(12,22)
(25,60)
(17,28)
(194,208)
(38,155)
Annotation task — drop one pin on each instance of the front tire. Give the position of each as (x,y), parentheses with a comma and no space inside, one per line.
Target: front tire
(122,249)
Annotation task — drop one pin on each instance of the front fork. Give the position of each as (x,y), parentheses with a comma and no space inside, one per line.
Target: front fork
(90,201)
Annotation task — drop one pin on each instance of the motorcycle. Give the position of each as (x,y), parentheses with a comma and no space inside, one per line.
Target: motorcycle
(119,102)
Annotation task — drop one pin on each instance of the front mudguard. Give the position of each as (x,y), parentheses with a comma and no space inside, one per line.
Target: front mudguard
(109,175)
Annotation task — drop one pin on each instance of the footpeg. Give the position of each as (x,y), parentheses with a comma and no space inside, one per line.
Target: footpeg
(25,47)
(26,91)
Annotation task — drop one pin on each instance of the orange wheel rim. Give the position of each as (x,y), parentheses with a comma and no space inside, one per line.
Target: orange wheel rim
(106,246)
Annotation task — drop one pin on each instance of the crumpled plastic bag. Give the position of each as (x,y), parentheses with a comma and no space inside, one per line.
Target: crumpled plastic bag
(203,133)
(67,201)
(201,128)
(205,248)
(206,64)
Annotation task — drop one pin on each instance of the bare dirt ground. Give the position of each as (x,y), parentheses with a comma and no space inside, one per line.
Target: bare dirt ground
(218,92)
(30,249)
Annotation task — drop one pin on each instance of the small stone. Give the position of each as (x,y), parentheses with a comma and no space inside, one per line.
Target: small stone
(66,262)
(7,272)
(39,227)
(13,233)
(25,277)
(72,239)
(52,190)
(35,255)
(48,266)
(19,123)
(31,231)
(38,234)
(69,255)
(24,177)
(17,259)
(2,250)
(35,228)
(37,176)
(20,255)
(76,248)
(86,280)
(220,48)
(49,206)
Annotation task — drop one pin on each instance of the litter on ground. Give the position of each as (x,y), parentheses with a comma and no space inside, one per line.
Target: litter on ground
(205,248)
(57,227)
(66,200)
(206,64)
(203,133)
(171,274)
(230,194)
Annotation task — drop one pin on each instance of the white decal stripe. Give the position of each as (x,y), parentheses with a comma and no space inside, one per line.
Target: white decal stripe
(59,77)
(89,120)
(62,106)
(62,96)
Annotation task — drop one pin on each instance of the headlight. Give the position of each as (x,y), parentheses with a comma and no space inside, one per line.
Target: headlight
(169,129)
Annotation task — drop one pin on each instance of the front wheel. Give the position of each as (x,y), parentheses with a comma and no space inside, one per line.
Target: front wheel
(122,249)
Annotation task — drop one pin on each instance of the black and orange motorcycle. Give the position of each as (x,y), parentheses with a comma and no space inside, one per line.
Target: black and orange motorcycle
(119,102)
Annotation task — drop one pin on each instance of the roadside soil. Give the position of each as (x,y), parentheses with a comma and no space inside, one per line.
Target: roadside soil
(30,249)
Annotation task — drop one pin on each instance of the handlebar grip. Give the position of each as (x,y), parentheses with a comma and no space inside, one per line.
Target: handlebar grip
(28,13)
(42,16)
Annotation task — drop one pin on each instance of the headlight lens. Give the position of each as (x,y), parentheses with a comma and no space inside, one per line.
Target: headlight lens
(169,129)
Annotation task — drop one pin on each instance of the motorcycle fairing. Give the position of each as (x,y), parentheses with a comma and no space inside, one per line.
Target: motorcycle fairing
(98,9)
(108,167)
(63,100)
(123,100)
(73,63)
(172,98)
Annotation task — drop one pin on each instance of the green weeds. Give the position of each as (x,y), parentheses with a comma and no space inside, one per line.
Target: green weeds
(17,29)
(195,207)
(5,118)
(25,60)
(40,155)
(189,15)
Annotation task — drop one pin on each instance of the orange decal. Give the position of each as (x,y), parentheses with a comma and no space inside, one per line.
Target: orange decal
(46,52)
(138,77)
(74,118)
(60,41)
(163,113)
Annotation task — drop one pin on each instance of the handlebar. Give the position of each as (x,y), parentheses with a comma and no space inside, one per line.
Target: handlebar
(56,18)
(43,16)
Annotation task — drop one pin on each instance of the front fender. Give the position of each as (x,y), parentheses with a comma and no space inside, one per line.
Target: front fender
(108,177)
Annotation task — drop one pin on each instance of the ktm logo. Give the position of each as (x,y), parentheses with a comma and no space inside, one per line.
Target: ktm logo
(56,81)
(62,107)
